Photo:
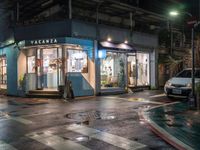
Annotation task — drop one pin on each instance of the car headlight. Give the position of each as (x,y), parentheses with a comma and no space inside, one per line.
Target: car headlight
(168,83)
(189,85)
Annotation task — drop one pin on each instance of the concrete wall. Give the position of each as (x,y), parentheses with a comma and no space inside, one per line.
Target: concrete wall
(89,30)
(44,30)
(83,30)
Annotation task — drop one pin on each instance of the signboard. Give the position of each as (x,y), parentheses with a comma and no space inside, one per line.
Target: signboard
(44,41)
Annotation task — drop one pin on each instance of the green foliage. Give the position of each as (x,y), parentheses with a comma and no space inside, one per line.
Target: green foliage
(121,74)
(21,78)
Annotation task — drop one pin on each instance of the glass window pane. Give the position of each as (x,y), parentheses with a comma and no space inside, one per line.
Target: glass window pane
(77,61)
(113,70)
(31,64)
(3,72)
(142,69)
(132,71)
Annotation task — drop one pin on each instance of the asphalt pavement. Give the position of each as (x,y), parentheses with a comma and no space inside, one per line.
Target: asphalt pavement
(93,123)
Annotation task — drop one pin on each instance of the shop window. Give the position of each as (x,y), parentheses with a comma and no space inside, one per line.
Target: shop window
(31,64)
(3,72)
(142,69)
(77,61)
(113,70)
(132,71)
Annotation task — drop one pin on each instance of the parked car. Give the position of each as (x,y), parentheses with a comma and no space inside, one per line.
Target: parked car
(181,84)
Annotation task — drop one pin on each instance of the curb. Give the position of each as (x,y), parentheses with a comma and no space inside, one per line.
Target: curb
(163,133)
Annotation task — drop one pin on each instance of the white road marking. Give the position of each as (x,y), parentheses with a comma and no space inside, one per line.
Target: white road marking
(5,116)
(21,120)
(158,95)
(56,142)
(38,114)
(5,146)
(130,100)
(115,140)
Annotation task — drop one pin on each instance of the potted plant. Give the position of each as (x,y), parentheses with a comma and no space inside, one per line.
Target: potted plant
(21,88)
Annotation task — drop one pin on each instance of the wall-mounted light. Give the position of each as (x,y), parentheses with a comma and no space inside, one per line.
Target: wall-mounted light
(10,41)
(102,54)
(126,41)
(109,39)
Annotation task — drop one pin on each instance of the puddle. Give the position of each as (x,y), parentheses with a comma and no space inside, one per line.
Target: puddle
(82,138)
(87,116)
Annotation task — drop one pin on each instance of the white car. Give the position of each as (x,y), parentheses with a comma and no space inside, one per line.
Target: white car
(181,84)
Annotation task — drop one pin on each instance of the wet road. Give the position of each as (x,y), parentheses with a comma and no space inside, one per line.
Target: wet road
(98,123)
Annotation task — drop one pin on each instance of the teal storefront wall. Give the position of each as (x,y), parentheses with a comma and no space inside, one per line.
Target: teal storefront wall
(80,85)
(11,52)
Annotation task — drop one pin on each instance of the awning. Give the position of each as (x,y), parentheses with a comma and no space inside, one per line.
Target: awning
(114,46)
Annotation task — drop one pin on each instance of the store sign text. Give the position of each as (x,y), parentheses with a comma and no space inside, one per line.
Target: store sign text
(45,41)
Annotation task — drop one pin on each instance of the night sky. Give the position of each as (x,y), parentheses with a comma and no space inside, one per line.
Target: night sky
(164,6)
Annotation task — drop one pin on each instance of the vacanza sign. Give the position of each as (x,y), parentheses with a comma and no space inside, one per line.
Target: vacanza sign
(44,41)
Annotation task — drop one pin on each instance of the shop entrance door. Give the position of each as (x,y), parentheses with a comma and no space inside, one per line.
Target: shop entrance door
(47,69)
(132,70)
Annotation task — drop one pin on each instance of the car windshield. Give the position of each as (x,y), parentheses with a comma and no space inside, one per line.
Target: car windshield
(188,74)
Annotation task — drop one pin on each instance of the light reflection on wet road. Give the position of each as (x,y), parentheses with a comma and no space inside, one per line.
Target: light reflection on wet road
(114,117)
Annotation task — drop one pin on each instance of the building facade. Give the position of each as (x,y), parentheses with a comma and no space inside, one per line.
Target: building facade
(96,59)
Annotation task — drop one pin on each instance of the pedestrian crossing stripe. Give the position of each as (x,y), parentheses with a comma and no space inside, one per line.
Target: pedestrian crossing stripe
(6,146)
(6,116)
(49,138)
(56,142)
(112,139)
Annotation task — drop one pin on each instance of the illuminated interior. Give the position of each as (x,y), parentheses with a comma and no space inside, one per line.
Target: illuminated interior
(132,71)
(112,70)
(3,72)
(77,61)
(143,69)
(47,66)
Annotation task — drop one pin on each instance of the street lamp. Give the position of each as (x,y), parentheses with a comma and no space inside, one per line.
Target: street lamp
(176,13)
(173,13)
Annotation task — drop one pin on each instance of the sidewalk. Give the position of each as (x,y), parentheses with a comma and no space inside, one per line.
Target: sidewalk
(176,124)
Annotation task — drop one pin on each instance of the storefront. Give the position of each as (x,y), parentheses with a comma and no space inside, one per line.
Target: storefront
(122,67)
(50,62)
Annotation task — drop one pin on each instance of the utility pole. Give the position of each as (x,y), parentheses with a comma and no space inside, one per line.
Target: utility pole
(193,63)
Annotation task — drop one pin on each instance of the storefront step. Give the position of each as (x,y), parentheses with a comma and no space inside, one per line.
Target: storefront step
(113,92)
(44,94)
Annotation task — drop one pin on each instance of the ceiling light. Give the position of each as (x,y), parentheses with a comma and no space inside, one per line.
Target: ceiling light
(126,42)
(109,39)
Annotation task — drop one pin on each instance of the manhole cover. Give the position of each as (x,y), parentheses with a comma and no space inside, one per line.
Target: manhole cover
(91,115)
